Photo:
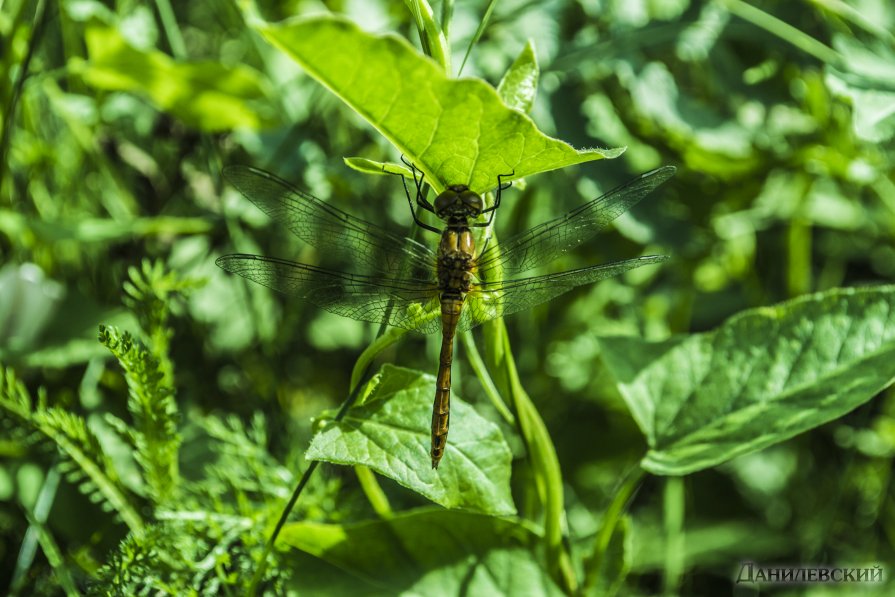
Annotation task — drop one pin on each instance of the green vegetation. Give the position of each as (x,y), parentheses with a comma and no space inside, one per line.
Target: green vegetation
(169,429)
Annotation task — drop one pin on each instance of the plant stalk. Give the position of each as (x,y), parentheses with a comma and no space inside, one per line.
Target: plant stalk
(611,518)
(544,463)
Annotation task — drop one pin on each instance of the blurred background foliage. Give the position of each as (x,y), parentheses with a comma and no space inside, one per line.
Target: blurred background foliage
(117,117)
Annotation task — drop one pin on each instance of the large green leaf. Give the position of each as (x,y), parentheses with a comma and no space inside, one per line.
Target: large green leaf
(430,552)
(207,95)
(762,377)
(389,430)
(457,131)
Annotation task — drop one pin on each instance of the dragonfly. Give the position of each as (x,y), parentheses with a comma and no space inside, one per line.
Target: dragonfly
(387,278)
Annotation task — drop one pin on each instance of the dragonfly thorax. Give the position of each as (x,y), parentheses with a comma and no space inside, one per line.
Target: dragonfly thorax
(458,202)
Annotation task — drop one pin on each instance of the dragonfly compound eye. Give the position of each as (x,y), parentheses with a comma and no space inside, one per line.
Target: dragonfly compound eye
(458,201)
(473,202)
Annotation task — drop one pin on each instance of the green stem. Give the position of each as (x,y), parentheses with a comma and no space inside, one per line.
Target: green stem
(798,241)
(544,463)
(784,31)
(674,534)
(172,31)
(382,341)
(481,371)
(431,37)
(373,491)
(610,521)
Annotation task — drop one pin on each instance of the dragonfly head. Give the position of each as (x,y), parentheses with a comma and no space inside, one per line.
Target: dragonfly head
(457,201)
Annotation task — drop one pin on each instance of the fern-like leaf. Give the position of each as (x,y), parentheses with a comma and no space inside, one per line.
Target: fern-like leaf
(151,402)
(83,460)
(148,294)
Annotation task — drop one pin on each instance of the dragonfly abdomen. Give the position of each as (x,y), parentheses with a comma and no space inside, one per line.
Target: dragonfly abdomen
(451,308)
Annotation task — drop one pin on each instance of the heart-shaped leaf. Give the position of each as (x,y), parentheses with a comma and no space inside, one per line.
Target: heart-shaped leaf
(762,377)
(457,131)
(389,430)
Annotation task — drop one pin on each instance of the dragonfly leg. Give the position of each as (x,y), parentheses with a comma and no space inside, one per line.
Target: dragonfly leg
(501,186)
(420,200)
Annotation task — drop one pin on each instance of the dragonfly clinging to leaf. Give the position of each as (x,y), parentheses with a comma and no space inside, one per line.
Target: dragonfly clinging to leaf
(404,283)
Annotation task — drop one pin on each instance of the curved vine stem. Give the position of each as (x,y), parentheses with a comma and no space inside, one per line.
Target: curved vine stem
(542,455)
(611,518)
(481,371)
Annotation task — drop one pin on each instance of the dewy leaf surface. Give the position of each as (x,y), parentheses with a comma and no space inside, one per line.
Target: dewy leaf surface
(762,377)
(457,131)
(431,552)
(389,432)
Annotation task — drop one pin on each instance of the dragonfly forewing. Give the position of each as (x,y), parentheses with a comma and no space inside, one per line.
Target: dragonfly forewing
(490,300)
(406,303)
(547,241)
(338,235)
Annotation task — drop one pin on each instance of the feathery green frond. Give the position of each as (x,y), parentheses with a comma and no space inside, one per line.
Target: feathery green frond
(151,402)
(148,294)
(83,460)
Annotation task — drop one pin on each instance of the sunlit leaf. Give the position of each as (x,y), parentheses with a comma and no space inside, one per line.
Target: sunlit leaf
(373,167)
(389,431)
(762,377)
(431,552)
(868,83)
(207,95)
(519,85)
(457,131)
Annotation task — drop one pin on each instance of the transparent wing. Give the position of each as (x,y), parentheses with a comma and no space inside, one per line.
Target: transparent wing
(545,242)
(490,300)
(332,231)
(408,304)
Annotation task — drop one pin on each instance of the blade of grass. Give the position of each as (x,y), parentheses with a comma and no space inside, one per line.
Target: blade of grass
(447,14)
(478,33)
(373,491)
(852,14)
(172,30)
(13,100)
(432,38)
(784,31)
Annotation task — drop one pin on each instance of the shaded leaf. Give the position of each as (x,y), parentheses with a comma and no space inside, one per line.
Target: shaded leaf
(389,430)
(616,562)
(457,131)
(764,376)
(431,552)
